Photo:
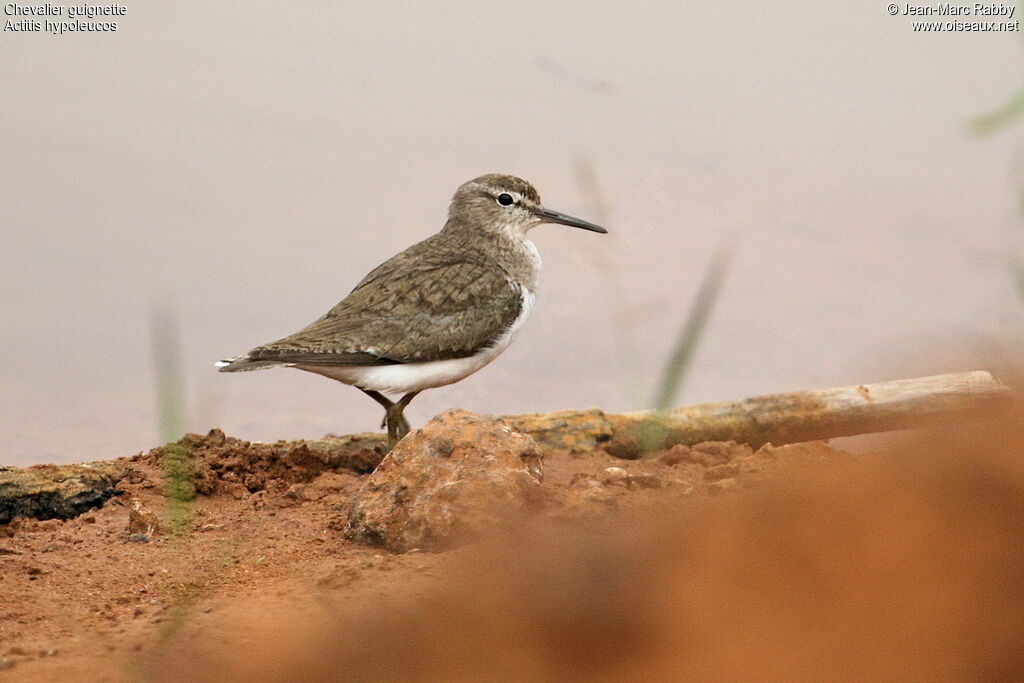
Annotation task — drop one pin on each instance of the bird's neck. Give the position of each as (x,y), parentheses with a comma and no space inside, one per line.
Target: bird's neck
(508,249)
(517,256)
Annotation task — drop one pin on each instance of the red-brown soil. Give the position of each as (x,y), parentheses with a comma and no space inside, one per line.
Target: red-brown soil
(708,562)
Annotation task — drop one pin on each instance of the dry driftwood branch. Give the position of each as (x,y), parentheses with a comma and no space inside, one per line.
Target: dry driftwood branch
(782,418)
(56,491)
(65,491)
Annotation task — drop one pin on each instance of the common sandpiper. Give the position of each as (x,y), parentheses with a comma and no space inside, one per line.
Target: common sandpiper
(435,313)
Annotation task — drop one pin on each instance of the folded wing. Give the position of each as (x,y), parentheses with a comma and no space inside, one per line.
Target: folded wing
(405,315)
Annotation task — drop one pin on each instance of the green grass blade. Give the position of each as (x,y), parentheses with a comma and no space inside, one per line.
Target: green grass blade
(170,386)
(1017,273)
(693,329)
(1001,118)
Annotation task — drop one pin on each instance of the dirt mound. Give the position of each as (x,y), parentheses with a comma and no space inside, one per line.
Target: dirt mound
(903,566)
(216,463)
(710,561)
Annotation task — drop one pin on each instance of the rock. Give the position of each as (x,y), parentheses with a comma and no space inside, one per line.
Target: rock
(294,492)
(141,520)
(443,485)
(615,476)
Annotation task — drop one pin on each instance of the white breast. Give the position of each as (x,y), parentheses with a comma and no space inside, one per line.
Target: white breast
(408,377)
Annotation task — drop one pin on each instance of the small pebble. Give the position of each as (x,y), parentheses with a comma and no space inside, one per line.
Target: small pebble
(615,476)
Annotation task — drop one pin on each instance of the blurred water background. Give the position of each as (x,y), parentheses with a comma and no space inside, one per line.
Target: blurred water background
(244,166)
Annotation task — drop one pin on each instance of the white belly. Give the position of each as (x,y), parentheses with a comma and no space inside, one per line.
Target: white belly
(408,377)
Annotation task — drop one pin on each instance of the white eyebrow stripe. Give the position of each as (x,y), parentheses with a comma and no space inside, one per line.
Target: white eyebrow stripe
(495,191)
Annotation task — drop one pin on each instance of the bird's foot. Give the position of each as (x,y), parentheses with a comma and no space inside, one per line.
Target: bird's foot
(396,424)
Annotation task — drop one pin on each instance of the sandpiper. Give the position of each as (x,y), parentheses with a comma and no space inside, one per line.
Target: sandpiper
(434,313)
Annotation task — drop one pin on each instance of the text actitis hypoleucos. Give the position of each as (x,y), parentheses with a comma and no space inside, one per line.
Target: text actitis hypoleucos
(435,313)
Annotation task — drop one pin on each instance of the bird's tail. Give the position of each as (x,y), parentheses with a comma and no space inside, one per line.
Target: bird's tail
(244,364)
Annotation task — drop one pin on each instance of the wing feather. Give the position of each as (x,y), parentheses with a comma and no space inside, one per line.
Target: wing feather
(412,308)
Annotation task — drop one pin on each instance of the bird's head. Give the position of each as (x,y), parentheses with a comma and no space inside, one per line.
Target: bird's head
(505,204)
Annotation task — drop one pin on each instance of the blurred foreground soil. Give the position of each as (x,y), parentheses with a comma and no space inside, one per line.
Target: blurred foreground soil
(712,562)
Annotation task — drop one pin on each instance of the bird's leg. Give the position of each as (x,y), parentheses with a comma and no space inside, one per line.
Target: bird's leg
(405,401)
(394,420)
(383,400)
(398,426)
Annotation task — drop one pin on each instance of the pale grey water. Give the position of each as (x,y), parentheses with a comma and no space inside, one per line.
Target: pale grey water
(248,164)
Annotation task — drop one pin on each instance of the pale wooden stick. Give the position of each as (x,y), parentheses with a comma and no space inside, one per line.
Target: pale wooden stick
(813,415)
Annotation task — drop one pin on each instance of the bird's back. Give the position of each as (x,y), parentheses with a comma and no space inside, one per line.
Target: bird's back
(445,297)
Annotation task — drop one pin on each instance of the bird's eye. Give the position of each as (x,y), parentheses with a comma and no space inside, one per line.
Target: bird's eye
(505,199)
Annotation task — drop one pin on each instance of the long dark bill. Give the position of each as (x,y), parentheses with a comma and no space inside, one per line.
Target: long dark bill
(550,216)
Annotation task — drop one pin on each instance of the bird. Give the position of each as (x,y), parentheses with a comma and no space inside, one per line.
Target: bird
(434,313)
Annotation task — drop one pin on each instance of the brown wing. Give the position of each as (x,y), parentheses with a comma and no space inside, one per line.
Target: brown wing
(407,310)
